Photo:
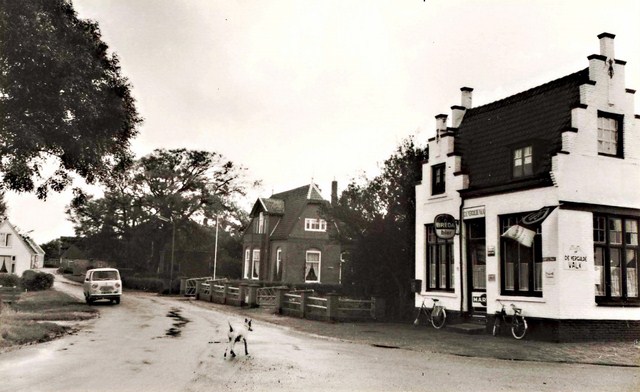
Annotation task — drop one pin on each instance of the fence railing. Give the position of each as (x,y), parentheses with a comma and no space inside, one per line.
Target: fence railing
(297,303)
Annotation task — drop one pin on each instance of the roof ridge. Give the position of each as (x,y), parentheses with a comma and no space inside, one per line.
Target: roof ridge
(532,91)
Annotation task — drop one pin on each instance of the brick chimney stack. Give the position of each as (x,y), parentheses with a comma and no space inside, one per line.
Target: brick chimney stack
(606,45)
(465,98)
(457,112)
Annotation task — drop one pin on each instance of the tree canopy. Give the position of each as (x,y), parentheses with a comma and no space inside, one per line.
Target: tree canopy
(63,100)
(378,227)
(189,188)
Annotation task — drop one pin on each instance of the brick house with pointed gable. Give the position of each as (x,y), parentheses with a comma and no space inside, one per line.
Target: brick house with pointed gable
(564,158)
(288,241)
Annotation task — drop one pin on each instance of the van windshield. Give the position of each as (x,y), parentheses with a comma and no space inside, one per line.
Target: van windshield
(105,275)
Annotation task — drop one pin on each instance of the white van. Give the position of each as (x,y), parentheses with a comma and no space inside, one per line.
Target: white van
(102,283)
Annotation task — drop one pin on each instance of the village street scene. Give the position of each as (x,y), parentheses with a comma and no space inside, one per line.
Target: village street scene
(299,195)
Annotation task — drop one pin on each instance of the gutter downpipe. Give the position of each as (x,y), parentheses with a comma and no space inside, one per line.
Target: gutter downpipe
(460,255)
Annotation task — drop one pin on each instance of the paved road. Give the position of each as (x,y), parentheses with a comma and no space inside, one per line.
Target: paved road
(128,348)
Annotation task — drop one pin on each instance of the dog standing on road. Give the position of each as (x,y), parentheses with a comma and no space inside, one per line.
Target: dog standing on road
(236,335)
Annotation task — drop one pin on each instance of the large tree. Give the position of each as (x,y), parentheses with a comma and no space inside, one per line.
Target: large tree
(64,105)
(188,188)
(378,226)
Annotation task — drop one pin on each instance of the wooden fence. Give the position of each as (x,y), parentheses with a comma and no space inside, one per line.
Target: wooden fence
(303,303)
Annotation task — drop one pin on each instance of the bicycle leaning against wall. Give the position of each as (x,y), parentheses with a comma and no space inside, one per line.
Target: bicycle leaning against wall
(518,322)
(436,315)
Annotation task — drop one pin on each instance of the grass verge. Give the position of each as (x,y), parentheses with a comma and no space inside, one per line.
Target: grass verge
(32,318)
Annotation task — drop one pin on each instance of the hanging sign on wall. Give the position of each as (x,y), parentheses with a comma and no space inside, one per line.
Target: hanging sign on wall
(445,226)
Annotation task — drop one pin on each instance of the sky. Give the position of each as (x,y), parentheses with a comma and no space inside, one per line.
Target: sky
(308,90)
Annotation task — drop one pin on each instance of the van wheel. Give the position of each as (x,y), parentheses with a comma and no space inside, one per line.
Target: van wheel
(117,301)
(89,301)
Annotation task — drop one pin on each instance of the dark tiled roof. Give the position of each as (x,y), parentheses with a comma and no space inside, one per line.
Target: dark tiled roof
(289,205)
(273,206)
(535,117)
(295,201)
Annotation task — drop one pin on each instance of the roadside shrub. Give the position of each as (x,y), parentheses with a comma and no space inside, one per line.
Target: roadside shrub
(36,280)
(141,283)
(9,280)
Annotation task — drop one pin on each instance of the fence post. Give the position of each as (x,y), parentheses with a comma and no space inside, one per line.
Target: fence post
(280,292)
(377,308)
(303,303)
(211,293)
(242,292)
(253,295)
(183,286)
(332,306)
(225,293)
(198,288)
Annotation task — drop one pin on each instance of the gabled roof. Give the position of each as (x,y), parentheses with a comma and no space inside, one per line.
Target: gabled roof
(288,205)
(535,117)
(31,246)
(34,247)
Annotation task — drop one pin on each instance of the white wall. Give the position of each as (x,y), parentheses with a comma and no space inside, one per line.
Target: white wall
(16,248)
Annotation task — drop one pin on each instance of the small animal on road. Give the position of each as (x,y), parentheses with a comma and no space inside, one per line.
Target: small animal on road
(237,334)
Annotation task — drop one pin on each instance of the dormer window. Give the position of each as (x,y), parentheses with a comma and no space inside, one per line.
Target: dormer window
(609,134)
(5,239)
(260,224)
(311,224)
(523,161)
(438,179)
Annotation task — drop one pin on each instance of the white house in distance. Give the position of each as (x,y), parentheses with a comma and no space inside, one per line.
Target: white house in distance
(18,253)
(565,155)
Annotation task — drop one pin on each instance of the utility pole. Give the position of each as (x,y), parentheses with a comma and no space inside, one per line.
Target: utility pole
(215,252)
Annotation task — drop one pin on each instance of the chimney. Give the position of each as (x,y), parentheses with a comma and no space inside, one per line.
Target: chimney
(441,122)
(606,45)
(465,98)
(334,192)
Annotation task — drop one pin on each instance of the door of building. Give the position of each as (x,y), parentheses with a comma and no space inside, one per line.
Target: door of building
(476,266)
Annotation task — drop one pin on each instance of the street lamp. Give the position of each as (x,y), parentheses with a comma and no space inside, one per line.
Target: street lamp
(173,248)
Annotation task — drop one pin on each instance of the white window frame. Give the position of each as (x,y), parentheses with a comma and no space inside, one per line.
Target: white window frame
(247,263)
(5,240)
(255,265)
(319,265)
(523,159)
(260,224)
(278,261)
(315,224)
(608,137)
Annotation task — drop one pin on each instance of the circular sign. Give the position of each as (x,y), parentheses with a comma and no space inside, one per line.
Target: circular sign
(445,226)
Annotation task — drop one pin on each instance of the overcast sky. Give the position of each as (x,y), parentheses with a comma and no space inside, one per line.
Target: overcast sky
(323,90)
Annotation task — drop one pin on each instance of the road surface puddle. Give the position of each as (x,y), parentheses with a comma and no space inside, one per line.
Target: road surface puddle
(179,323)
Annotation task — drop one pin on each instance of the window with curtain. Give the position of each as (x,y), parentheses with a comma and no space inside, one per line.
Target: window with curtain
(247,263)
(615,241)
(255,265)
(312,266)
(520,266)
(440,271)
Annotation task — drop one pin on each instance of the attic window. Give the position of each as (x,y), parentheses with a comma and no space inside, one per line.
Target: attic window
(523,161)
(5,239)
(609,134)
(311,224)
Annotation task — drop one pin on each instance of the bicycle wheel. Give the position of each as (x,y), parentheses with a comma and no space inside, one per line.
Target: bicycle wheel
(438,317)
(518,327)
(496,326)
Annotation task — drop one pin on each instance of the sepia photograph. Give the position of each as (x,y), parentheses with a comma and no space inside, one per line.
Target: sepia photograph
(319,195)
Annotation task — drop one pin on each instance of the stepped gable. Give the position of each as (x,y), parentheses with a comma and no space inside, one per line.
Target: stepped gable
(534,117)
